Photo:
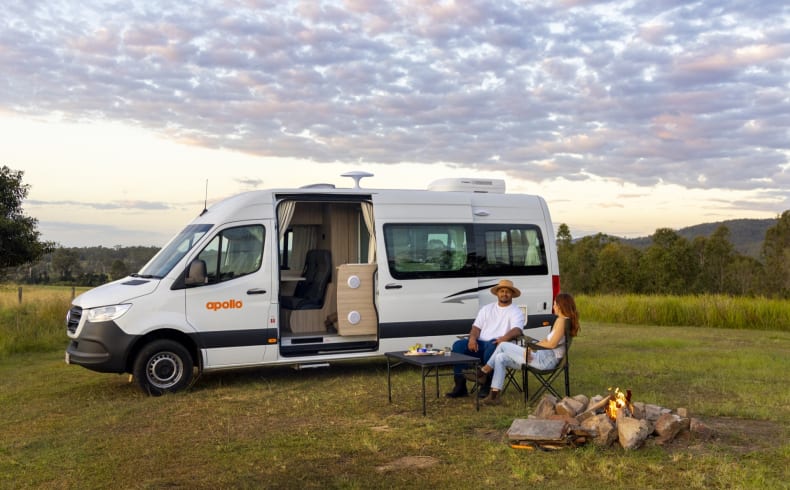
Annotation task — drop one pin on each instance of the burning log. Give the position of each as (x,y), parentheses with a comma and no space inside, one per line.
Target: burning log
(593,408)
(619,402)
(603,403)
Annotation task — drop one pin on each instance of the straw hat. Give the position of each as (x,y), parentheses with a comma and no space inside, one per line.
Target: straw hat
(505,283)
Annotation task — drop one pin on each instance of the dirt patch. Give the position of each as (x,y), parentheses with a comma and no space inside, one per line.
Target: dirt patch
(491,435)
(739,435)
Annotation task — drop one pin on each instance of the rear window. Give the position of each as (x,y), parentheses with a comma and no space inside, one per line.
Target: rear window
(510,250)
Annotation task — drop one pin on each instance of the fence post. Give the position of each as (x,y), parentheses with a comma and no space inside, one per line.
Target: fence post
(20,295)
(72,292)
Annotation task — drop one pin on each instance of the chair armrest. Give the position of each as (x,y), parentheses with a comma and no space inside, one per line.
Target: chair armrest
(531,343)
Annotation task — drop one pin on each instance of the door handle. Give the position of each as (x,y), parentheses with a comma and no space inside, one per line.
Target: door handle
(256,291)
(393,286)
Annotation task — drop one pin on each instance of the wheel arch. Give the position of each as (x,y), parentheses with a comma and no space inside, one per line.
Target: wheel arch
(168,334)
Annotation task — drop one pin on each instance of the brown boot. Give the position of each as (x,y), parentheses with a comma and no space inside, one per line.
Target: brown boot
(480,376)
(492,398)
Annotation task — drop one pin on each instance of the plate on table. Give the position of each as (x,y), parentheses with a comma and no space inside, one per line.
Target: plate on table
(426,353)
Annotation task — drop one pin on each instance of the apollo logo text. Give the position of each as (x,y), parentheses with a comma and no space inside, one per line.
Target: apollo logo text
(231,304)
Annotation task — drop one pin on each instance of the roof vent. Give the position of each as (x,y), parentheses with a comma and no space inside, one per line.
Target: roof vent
(493,186)
(318,186)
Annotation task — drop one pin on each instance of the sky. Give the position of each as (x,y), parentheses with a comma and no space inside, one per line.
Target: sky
(626,116)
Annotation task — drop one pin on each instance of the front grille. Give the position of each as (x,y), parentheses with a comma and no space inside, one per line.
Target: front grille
(73,319)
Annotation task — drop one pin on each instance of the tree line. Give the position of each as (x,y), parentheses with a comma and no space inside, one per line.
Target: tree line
(671,264)
(82,266)
(595,264)
(599,263)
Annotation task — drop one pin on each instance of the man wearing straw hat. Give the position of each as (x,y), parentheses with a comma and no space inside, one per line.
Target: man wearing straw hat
(496,322)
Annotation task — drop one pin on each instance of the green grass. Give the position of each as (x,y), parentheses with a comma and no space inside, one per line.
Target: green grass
(67,427)
(717,311)
(37,323)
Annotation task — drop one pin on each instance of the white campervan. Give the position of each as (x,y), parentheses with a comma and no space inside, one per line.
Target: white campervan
(316,274)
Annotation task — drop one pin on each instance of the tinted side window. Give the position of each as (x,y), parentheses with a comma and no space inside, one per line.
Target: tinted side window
(422,251)
(233,253)
(510,250)
(417,251)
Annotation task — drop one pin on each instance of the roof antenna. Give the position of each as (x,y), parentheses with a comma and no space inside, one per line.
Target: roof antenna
(205,201)
(357,175)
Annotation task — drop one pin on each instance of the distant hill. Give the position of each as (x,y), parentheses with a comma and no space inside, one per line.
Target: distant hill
(746,235)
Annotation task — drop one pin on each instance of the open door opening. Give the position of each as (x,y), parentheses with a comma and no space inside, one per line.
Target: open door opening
(327,275)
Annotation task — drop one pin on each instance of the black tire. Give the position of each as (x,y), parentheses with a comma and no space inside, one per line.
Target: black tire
(163,366)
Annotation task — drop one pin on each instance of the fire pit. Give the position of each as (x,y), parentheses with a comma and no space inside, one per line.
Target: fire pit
(602,420)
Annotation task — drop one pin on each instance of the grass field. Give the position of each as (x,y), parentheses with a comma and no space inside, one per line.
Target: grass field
(707,310)
(37,323)
(67,427)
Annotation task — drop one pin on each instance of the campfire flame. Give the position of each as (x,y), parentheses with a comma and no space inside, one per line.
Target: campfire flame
(619,401)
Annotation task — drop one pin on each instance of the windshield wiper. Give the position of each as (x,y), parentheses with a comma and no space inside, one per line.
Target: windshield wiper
(145,276)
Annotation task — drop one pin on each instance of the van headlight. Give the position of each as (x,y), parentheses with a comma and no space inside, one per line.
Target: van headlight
(107,313)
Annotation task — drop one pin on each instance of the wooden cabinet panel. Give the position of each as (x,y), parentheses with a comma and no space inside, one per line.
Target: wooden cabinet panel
(356,314)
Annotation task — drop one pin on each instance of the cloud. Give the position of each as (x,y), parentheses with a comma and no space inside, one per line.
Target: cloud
(692,94)
(250,183)
(104,206)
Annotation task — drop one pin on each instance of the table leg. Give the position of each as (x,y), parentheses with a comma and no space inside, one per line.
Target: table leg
(389,383)
(477,385)
(423,391)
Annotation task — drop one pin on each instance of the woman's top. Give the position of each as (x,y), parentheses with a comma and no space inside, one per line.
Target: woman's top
(559,351)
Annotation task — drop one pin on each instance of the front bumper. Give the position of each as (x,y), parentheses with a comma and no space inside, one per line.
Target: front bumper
(101,347)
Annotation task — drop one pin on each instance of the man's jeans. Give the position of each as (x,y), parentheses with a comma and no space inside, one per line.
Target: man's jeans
(484,350)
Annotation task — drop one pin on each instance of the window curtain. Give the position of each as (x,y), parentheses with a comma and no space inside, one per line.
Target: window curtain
(285,211)
(533,256)
(305,238)
(367,214)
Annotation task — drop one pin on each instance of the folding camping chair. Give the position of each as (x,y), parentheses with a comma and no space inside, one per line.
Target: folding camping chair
(546,377)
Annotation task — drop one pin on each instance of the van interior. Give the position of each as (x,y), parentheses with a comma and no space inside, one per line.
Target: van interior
(327,275)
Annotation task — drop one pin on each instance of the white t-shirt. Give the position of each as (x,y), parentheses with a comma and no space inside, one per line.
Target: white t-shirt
(495,321)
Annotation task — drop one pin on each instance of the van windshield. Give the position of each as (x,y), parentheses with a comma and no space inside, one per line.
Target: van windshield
(168,257)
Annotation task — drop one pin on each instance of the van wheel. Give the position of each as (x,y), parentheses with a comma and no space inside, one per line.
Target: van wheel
(163,366)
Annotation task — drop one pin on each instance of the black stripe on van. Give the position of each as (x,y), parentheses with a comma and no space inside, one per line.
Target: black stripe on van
(424,329)
(448,327)
(236,338)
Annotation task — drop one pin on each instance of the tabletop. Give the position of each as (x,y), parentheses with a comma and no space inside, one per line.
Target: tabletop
(433,360)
